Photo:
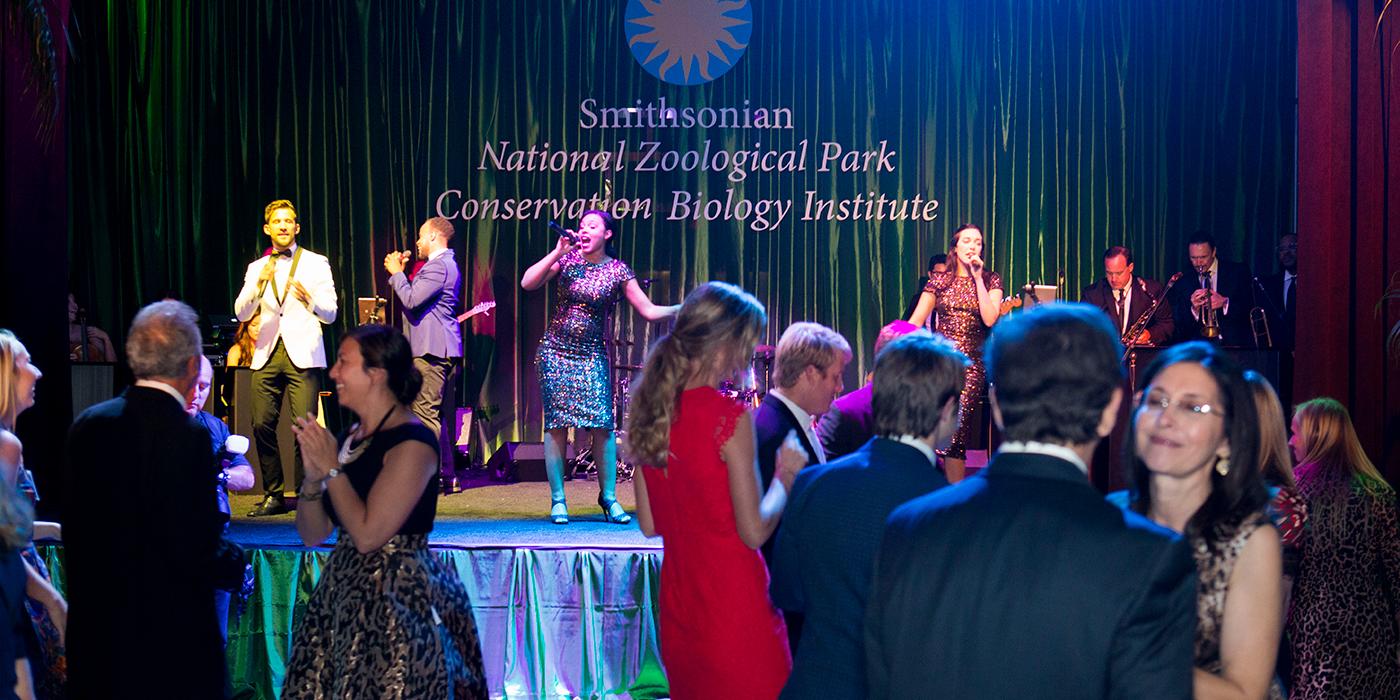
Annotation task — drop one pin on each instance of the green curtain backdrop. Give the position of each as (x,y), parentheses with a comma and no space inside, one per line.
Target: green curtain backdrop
(1060,126)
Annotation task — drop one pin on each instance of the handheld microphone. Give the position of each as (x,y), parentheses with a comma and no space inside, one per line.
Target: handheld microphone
(563,232)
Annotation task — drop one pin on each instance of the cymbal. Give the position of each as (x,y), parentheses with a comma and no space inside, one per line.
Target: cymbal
(629,368)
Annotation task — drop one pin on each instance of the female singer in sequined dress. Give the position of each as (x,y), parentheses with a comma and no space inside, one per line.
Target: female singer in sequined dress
(968,300)
(572,361)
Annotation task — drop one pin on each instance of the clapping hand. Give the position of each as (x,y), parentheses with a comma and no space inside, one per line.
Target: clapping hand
(790,460)
(300,293)
(318,448)
(395,261)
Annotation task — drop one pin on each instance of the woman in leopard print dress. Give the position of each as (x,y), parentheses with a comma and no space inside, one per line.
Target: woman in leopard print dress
(387,619)
(1195,469)
(1342,624)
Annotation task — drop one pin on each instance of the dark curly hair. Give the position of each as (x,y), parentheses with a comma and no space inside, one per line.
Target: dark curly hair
(386,348)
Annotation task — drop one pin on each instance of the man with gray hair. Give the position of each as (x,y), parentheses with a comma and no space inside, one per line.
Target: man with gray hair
(833,520)
(150,564)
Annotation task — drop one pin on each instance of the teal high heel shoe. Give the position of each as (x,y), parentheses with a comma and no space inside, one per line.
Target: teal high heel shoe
(559,512)
(613,511)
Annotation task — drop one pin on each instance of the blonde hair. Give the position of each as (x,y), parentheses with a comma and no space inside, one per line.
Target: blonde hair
(718,322)
(1275,459)
(10,350)
(1334,464)
(804,345)
(276,204)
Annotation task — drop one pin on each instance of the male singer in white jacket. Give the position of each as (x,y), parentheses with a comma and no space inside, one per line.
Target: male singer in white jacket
(292,288)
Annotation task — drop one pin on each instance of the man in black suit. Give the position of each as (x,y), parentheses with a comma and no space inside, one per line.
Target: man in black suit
(850,423)
(143,572)
(1022,581)
(807,368)
(1278,296)
(1125,298)
(833,520)
(1278,293)
(1221,284)
(936,263)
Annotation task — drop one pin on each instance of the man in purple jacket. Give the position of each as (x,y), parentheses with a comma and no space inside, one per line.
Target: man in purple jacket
(428,313)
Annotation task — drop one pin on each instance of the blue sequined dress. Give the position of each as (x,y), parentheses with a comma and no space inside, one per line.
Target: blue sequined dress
(572,361)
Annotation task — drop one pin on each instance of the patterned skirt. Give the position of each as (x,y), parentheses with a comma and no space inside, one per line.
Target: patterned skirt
(394,623)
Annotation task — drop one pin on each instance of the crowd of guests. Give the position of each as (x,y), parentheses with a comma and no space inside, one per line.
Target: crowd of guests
(1223,571)
(386,619)
(823,545)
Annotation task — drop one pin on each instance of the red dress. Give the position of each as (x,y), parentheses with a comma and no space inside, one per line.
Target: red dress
(721,637)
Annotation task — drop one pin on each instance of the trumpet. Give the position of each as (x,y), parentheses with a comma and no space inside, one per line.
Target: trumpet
(1210,326)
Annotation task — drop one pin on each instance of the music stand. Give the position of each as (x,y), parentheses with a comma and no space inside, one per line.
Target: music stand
(370,310)
(1044,294)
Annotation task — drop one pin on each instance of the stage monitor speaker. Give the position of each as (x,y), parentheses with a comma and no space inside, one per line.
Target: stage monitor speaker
(520,461)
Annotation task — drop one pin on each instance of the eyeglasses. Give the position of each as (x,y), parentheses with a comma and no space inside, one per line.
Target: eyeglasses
(1187,408)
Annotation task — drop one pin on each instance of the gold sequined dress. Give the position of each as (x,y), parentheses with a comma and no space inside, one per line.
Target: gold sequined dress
(960,320)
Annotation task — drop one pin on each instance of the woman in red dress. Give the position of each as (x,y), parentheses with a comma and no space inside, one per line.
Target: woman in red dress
(699,488)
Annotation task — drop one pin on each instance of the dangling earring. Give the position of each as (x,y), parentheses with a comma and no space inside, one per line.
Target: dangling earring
(1222,466)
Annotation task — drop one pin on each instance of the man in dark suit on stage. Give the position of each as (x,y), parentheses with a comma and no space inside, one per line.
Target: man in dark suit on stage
(429,314)
(1278,293)
(936,263)
(1021,581)
(1221,284)
(1126,297)
(833,520)
(143,571)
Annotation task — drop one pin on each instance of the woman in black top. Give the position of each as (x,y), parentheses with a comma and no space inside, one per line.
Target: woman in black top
(387,618)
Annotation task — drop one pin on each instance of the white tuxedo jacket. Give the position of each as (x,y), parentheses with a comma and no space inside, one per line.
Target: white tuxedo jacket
(297,324)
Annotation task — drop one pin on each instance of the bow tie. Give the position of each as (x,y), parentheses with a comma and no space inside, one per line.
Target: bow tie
(283,253)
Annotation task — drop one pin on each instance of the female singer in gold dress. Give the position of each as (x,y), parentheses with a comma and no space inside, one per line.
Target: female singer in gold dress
(967,299)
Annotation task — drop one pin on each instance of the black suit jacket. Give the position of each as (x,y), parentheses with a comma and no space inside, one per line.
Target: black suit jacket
(825,554)
(1233,282)
(1022,582)
(142,570)
(1160,328)
(848,424)
(771,423)
(1282,316)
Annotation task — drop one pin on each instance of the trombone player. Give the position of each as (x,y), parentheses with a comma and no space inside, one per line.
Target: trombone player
(1126,298)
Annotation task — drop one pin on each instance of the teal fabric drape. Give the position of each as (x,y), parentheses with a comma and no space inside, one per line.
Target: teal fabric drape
(553,623)
(1060,126)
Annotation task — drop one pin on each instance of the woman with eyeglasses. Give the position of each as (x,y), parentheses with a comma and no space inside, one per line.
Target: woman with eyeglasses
(1194,468)
(1342,624)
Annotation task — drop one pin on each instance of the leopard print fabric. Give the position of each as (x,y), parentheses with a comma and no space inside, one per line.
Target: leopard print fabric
(394,623)
(1342,624)
(1215,560)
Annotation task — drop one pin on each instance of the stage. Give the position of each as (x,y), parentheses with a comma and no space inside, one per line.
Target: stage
(562,610)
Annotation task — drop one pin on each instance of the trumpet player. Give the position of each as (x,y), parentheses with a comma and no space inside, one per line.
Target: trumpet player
(1126,298)
(1203,297)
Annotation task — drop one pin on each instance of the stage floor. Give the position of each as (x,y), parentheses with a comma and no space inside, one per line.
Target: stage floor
(487,515)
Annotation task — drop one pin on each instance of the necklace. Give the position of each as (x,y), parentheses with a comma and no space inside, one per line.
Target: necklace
(347,454)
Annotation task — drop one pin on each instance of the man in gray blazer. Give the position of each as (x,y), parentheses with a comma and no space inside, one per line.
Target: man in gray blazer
(429,303)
